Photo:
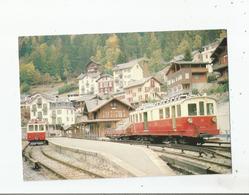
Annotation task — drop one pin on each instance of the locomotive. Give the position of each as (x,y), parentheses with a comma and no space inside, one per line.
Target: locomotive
(36,132)
(184,119)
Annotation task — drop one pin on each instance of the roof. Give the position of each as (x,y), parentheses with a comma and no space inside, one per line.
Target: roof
(219,48)
(84,97)
(45,96)
(185,63)
(128,64)
(141,82)
(104,75)
(96,104)
(81,76)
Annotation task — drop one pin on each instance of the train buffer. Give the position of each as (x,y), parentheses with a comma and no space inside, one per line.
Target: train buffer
(34,162)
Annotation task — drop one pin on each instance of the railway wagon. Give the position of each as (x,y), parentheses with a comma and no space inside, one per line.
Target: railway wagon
(36,132)
(185,119)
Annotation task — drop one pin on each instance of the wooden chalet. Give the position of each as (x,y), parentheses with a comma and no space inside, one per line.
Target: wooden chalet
(100,116)
(220,61)
(183,76)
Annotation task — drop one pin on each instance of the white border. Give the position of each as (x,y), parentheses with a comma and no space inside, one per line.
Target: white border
(46,17)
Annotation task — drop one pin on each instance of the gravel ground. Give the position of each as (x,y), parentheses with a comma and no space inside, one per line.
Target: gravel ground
(33,175)
(89,163)
(66,171)
(214,167)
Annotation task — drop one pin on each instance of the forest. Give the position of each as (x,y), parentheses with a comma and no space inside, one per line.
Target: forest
(59,58)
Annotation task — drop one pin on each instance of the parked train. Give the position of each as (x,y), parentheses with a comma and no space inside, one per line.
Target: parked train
(185,119)
(36,132)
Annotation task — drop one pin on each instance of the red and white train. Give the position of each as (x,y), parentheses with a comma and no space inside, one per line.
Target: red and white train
(36,132)
(185,119)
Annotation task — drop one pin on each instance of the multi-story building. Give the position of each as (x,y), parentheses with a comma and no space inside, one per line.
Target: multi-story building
(105,84)
(144,90)
(87,81)
(184,76)
(56,112)
(124,73)
(220,61)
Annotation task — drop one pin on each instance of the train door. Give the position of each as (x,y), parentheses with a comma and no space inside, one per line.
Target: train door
(145,121)
(173,115)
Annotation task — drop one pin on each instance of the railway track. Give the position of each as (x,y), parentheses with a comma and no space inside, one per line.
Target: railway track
(190,159)
(62,168)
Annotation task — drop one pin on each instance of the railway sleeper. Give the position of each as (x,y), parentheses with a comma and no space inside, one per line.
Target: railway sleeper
(194,168)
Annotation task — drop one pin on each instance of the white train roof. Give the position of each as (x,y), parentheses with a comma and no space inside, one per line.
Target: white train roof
(172,100)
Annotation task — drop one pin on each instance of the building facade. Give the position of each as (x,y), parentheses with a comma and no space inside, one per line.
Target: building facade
(184,76)
(124,73)
(87,81)
(105,84)
(144,90)
(220,61)
(52,110)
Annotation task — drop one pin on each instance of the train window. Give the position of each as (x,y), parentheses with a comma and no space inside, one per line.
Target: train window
(140,117)
(31,127)
(41,127)
(151,115)
(201,108)
(210,108)
(161,114)
(136,118)
(192,110)
(167,113)
(36,127)
(178,110)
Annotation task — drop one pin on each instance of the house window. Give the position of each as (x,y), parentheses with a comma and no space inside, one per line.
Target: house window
(114,104)
(40,115)
(39,102)
(139,89)
(197,76)
(167,113)
(186,75)
(59,120)
(108,125)
(192,110)
(45,109)
(59,111)
(161,114)
(152,83)
(210,109)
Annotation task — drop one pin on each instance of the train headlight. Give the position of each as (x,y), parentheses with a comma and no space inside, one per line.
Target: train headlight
(190,120)
(214,119)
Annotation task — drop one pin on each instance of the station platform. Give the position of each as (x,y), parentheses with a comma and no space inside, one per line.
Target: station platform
(138,160)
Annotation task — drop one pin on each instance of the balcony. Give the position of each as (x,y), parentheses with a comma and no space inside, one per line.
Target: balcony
(218,67)
(179,77)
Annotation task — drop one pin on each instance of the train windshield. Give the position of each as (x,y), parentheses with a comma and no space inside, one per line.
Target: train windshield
(210,108)
(31,128)
(192,110)
(41,127)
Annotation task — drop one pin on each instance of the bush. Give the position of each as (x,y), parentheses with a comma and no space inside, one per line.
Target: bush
(25,88)
(67,88)
(211,78)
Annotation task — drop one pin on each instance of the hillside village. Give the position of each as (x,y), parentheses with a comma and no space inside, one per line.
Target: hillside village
(104,100)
